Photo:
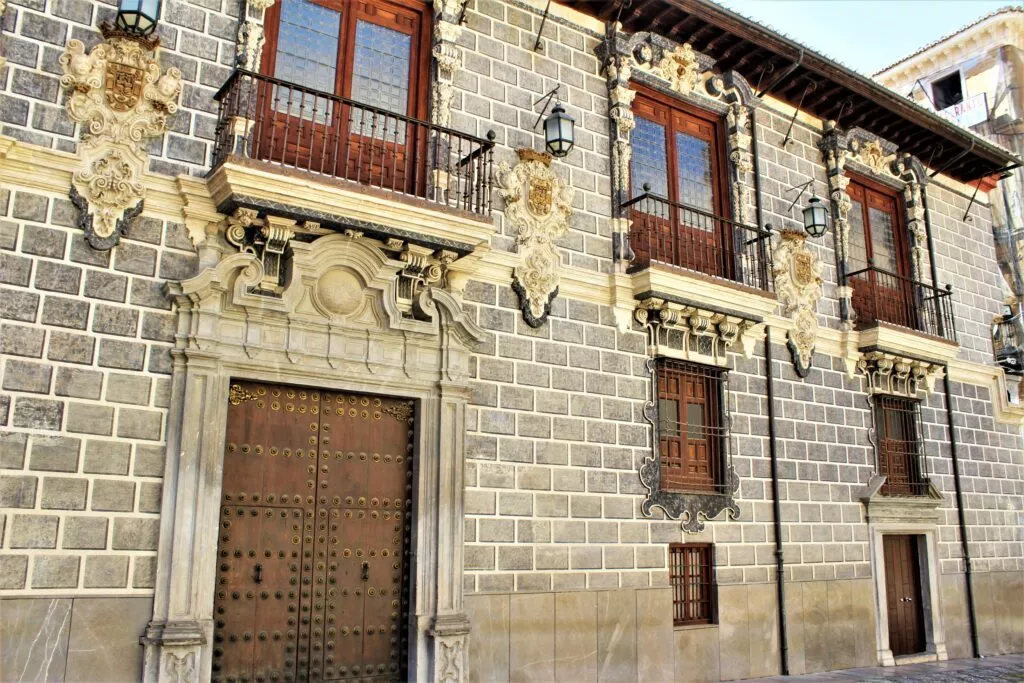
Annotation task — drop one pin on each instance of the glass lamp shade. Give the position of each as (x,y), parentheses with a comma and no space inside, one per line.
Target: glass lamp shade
(559,132)
(815,218)
(138,17)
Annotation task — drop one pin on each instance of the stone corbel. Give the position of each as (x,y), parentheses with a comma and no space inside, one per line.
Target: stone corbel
(888,373)
(447,58)
(249,48)
(797,273)
(267,239)
(693,334)
(538,205)
(424,267)
(121,95)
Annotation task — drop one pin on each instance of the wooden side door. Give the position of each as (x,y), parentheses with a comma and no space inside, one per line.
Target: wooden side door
(903,595)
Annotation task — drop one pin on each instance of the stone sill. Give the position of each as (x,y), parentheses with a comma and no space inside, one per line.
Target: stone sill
(695,627)
(330,200)
(908,343)
(703,291)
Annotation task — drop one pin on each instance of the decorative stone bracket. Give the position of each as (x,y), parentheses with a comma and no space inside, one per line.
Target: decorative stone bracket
(694,334)
(797,272)
(118,91)
(249,48)
(538,205)
(888,373)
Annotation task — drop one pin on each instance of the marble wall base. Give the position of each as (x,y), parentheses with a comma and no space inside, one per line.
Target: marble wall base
(831,625)
(87,640)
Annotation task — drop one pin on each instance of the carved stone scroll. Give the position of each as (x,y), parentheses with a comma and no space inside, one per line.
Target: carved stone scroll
(797,272)
(889,373)
(447,59)
(538,205)
(119,92)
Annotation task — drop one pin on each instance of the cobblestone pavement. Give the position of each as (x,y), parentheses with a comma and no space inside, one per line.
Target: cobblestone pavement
(1002,668)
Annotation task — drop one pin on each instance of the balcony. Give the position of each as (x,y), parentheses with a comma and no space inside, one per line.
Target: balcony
(1008,343)
(880,296)
(280,146)
(671,234)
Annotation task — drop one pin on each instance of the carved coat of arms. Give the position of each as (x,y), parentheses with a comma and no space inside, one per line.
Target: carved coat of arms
(797,272)
(123,86)
(538,203)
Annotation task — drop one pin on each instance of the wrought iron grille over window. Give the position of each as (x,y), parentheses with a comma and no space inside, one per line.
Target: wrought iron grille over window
(901,457)
(1008,343)
(691,427)
(691,575)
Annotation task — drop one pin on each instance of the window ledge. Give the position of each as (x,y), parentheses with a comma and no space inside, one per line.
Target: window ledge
(308,196)
(908,343)
(881,509)
(703,291)
(694,627)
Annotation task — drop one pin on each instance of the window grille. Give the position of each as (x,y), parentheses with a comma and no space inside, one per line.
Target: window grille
(692,578)
(901,456)
(692,432)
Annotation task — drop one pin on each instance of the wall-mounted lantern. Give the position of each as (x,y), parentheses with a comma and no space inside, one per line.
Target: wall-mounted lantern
(138,17)
(559,127)
(815,217)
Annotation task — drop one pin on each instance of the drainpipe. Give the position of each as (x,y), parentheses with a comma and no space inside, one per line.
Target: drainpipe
(972,622)
(780,574)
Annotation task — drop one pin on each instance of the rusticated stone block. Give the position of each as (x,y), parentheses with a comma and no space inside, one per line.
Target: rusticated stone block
(25,376)
(63,312)
(12,449)
(125,388)
(113,495)
(106,457)
(17,491)
(64,493)
(115,320)
(55,571)
(106,571)
(139,424)
(90,418)
(136,533)
(34,531)
(19,340)
(108,286)
(71,348)
(149,461)
(54,453)
(37,413)
(78,383)
(13,569)
(87,533)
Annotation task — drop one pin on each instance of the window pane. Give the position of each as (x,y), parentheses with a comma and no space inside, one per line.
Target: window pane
(380,78)
(858,256)
(668,417)
(695,427)
(693,156)
(649,163)
(883,240)
(307,55)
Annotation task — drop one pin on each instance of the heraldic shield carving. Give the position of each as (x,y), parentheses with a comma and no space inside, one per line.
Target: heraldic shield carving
(538,204)
(120,94)
(797,273)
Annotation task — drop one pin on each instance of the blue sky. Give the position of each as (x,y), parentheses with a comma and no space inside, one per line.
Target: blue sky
(865,35)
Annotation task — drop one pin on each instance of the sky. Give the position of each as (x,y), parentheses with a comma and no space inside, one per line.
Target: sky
(865,35)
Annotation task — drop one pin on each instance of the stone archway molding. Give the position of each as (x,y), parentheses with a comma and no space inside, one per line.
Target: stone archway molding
(338,323)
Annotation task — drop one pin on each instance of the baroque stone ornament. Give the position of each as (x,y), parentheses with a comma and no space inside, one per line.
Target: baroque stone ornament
(693,509)
(889,373)
(538,205)
(797,272)
(447,58)
(679,67)
(123,99)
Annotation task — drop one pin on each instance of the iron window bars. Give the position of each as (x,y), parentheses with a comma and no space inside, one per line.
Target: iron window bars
(901,453)
(691,575)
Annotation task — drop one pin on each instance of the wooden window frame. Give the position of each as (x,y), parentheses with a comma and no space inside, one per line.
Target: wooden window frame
(900,238)
(908,411)
(715,432)
(720,168)
(419,67)
(688,610)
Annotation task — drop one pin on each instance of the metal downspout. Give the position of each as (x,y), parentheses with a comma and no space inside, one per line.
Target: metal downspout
(972,623)
(780,574)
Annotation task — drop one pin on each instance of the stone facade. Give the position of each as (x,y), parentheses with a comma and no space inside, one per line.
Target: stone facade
(543,429)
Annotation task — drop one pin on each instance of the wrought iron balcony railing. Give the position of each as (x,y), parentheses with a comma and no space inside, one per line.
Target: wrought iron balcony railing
(880,295)
(1008,343)
(675,234)
(295,127)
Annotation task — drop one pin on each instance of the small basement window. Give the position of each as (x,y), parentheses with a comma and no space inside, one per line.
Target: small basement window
(691,575)
(947,91)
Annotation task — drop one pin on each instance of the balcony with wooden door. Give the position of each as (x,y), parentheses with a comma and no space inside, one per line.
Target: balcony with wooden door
(335,121)
(893,309)
(684,243)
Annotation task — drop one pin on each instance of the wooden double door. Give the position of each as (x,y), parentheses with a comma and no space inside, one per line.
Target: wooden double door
(903,595)
(313,549)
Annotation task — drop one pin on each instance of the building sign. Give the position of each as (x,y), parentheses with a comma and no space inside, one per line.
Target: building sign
(970,112)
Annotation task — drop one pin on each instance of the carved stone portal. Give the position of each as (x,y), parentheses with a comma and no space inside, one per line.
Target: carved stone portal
(120,94)
(797,273)
(538,205)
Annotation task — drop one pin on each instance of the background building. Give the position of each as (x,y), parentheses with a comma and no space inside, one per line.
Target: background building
(975,78)
(315,366)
